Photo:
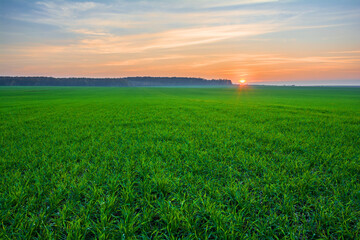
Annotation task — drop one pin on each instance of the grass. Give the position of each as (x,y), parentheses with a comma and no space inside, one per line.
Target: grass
(170,163)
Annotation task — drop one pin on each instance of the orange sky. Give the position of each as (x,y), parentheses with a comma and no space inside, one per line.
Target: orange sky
(256,40)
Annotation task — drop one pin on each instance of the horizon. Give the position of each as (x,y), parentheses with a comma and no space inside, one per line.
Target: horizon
(260,41)
(334,83)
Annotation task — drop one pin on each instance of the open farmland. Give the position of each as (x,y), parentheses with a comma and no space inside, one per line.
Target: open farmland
(192,163)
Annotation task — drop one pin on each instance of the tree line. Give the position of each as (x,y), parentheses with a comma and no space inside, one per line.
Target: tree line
(111,82)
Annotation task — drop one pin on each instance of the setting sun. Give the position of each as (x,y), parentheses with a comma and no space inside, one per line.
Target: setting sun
(242,81)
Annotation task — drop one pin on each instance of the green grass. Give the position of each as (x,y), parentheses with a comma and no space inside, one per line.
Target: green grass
(170,163)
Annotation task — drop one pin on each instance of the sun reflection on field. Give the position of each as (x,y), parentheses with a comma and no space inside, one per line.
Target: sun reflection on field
(242,85)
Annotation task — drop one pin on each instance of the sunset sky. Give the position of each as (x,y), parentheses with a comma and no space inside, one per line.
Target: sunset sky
(256,40)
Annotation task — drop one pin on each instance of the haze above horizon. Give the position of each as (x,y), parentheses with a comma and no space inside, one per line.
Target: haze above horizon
(262,41)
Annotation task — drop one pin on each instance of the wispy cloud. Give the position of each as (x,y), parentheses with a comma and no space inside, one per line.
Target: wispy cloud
(215,3)
(95,17)
(108,43)
(347,52)
(66,9)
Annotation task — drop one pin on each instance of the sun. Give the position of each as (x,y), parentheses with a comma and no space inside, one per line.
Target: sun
(242,81)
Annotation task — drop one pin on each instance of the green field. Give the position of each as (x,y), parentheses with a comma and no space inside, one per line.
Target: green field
(172,163)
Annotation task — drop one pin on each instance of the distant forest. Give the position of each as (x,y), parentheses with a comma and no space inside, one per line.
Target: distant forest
(111,82)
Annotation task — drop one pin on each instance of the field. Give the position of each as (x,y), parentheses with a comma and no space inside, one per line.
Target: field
(170,163)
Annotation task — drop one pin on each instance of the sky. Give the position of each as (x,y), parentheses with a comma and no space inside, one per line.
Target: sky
(261,41)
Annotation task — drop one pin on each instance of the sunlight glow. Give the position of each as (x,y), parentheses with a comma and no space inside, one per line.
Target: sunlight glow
(242,81)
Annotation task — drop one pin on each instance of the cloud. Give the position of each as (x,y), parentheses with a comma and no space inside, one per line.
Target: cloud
(104,43)
(65,8)
(114,18)
(88,32)
(347,52)
(215,3)
(122,18)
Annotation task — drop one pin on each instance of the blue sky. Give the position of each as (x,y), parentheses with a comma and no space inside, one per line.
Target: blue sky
(256,40)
